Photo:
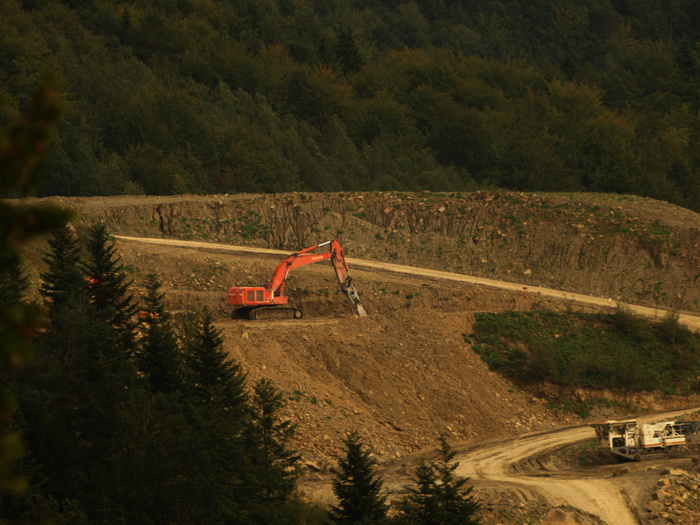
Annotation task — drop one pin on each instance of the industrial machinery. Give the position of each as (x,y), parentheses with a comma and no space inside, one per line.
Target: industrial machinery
(256,302)
(628,440)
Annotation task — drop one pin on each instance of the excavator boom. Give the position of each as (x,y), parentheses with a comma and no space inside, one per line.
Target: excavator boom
(250,301)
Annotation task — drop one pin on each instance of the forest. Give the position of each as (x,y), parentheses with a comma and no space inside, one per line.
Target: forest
(113,412)
(217,96)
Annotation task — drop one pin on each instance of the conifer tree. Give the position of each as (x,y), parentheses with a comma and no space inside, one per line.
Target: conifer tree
(457,503)
(219,411)
(73,403)
(347,52)
(214,377)
(64,282)
(439,497)
(421,506)
(13,286)
(357,487)
(271,481)
(108,285)
(271,431)
(160,356)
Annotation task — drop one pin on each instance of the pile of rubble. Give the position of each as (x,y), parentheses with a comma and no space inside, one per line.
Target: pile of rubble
(675,498)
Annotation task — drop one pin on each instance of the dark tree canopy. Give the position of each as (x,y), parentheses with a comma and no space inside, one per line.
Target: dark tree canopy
(357,487)
(438,496)
(442,96)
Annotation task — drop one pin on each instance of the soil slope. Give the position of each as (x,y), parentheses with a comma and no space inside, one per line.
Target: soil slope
(625,247)
(405,372)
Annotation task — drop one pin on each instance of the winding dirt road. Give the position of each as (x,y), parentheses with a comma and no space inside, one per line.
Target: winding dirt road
(494,463)
(594,491)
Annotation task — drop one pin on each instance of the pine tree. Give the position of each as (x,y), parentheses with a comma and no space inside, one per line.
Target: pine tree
(421,506)
(73,402)
(458,505)
(13,286)
(65,292)
(271,481)
(357,487)
(64,282)
(108,285)
(347,52)
(214,377)
(160,356)
(219,411)
(271,431)
(439,497)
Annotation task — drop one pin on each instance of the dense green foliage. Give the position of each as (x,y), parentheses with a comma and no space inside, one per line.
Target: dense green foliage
(151,425)
(270,96)
(439,497)
(357,487)
(616,350)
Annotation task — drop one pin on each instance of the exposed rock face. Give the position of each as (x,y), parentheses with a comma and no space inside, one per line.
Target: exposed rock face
(628,248)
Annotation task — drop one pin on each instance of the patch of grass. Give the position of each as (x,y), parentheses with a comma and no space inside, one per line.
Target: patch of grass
(615,350)
(250,226)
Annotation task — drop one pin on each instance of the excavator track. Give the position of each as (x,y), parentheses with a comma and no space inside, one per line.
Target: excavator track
(267,312)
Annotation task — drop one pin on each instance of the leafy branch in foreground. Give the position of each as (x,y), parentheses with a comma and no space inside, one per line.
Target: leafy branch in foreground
(23,147)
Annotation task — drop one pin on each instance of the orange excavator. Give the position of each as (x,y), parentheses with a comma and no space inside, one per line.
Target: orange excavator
(257,302)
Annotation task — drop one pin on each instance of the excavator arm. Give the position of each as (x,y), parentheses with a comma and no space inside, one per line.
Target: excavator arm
(278,281)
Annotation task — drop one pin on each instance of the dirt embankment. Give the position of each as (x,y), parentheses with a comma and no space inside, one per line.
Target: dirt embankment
(406,372)
(628,248)
(399,376)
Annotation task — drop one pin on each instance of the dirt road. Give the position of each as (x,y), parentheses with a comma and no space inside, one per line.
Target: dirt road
(689,319)
(493,463)
(594,491)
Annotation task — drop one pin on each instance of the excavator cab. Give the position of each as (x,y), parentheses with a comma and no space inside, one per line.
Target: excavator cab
(251,296)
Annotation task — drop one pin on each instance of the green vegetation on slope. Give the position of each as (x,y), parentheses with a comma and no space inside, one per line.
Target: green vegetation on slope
(617,350)
(210,96)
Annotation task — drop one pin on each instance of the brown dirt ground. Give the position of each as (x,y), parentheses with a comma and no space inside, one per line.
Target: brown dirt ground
(404,373)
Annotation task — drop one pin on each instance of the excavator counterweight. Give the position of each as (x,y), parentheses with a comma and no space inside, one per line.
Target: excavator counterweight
(253,302)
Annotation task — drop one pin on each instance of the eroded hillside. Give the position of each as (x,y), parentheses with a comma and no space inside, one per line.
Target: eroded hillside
(629,248)
(400,375)
(406,372)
